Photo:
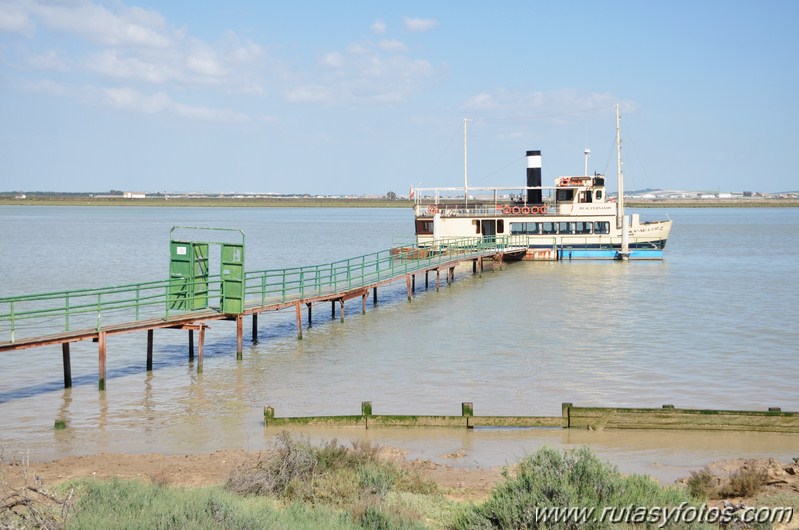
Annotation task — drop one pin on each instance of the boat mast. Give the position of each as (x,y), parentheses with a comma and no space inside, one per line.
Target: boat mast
(465,166)
(620,220)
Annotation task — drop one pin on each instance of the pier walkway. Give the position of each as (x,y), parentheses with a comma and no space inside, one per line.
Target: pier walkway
(64,317)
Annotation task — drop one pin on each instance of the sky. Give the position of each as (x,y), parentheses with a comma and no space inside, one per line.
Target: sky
(367,97)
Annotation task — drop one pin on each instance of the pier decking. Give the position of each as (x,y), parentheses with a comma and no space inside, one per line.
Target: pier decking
(64,317)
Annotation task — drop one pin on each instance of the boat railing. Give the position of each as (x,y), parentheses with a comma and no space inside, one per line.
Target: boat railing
(446,210)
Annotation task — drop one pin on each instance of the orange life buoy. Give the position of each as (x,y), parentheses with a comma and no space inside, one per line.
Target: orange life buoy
(564,181)
(506,210)
(432,209)
(544,209)
(534,210)
(516,209)
(525,210)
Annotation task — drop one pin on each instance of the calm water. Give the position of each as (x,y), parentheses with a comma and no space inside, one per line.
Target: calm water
(713,325)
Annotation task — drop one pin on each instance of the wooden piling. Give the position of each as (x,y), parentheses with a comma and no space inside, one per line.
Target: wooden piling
(408,285)
(438,279)
(426,273)
(149,350)
(474,266)
(255,328)
(332,310)
(309,305)
(239,336)
(191,344)
(413,283)
(341,302)
(101,355)
(200,347)
(363,303)
(298,313)
(67,365)
(374,296)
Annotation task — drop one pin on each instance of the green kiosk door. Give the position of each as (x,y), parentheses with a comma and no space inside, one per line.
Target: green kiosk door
(188,275)
(232,278)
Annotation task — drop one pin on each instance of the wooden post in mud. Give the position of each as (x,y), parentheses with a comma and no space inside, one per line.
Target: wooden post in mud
(149,350)
(239,336)
(101,352)
(255,328)
(191,344)
(67,365)
(332,310)
(480,267)
(467,411)
(451,278)
(425,279)
(413,283)
(374,296)
(341,302)
(564,410)
(474,266)
(298,312)
(438,279)
(408,285)
(200,344)
(363,303)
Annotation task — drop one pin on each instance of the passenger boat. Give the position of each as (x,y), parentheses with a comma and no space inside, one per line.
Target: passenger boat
(572,219)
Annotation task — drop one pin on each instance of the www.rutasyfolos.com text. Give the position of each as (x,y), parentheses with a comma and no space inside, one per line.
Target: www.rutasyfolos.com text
(663,516)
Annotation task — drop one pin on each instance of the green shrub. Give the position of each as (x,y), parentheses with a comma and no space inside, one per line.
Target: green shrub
(575,478)
(703,484)
(746,481)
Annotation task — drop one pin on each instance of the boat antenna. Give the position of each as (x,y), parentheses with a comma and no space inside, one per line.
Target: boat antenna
(620,220)
(465,165)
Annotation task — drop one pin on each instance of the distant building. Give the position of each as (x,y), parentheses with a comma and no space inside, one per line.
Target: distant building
(133,195)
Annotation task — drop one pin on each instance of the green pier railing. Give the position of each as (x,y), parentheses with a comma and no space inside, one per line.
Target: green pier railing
(61,312)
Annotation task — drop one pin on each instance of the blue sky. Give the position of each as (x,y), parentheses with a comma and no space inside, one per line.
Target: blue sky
(366,97)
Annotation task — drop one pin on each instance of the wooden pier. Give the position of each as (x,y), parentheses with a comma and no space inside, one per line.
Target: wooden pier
(178,303)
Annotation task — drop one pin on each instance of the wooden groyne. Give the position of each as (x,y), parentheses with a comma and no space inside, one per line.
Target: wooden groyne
(592,418)
(192,298)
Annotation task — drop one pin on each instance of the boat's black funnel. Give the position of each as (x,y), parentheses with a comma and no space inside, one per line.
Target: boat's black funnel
(534,177)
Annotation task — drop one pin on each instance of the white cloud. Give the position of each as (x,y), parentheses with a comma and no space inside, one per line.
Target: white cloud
(379,27)
(110,63)
(420,24)
(15,19)
(333,59)
(133,100)
(125,26)
(203,60)
(392,46)
(481,101)
(309,94)
(53,60)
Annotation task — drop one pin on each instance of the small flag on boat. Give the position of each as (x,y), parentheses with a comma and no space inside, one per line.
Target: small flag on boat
(411,193)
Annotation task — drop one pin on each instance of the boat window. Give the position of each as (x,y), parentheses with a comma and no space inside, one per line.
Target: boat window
(424,228)
(564,228)
(598,194)
(549,228)
(601,227)
(476,226)
(526,228)
(583,227)
(564,195)
(500,226)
